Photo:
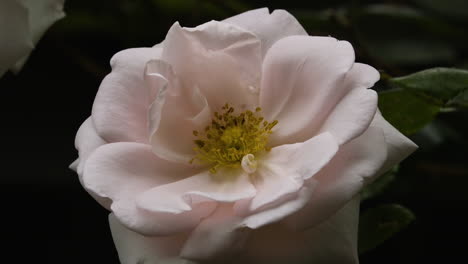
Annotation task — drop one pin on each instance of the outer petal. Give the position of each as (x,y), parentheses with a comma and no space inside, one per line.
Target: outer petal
(269,28)
(304,79)
(398,146)
(87,140)
(223,60)
(122,171)
(224,234)
(356,164)
(333,241)
(355,111)
(120,110)
(134,248)
(219,236)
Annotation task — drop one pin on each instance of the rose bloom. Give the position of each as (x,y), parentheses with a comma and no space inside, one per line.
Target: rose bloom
(22,24)
(243,141)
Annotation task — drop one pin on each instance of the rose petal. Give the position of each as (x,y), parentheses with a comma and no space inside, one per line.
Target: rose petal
(352,115)
(219,235)
(135,248)
(304,78)
(355,164)
(223,60)
(333,241)
(86,141)
(122,171)
(174,114)
(284,168)
(398,146)
(120,110)
(177,197)
(282,209)
(269,28)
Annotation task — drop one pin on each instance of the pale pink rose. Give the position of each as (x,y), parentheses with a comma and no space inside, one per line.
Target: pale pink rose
(297,202)
(22,24)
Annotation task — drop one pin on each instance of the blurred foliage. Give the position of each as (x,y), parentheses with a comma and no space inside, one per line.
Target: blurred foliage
(420,47)
(380,223)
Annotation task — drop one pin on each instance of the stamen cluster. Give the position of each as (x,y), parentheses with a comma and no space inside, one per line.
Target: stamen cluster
(230,137)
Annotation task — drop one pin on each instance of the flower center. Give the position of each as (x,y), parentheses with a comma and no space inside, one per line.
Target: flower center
(231,141)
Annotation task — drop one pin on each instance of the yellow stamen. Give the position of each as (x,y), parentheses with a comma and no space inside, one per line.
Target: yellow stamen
(231,141)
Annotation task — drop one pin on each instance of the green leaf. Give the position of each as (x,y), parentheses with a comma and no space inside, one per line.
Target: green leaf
(378,224)
(406,111)
(440,84)
(379,185)
(461,100)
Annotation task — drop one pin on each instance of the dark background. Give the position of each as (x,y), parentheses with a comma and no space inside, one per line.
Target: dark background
(48,218)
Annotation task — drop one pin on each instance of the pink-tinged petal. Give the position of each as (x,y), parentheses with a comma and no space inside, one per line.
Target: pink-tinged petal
(333,241)
(218,236)
(288,205)
(302,83)
(120,110)
(181,196)
(269,28)
(174,114)
(284,168)
(352,115)
(86,141)
(223,60)
(356,164)
(398,146)
(122,171)
(135,248)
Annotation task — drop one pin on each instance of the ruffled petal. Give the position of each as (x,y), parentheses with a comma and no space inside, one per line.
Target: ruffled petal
(269,28)
(86,141)
(181,196)
(305,79)
(135,248)
(284,168)
(174,114)
(223,60)
(122,171)
(120,110)
(333,241)
(353,114)
(280,209)
(219,236)
(356,164)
